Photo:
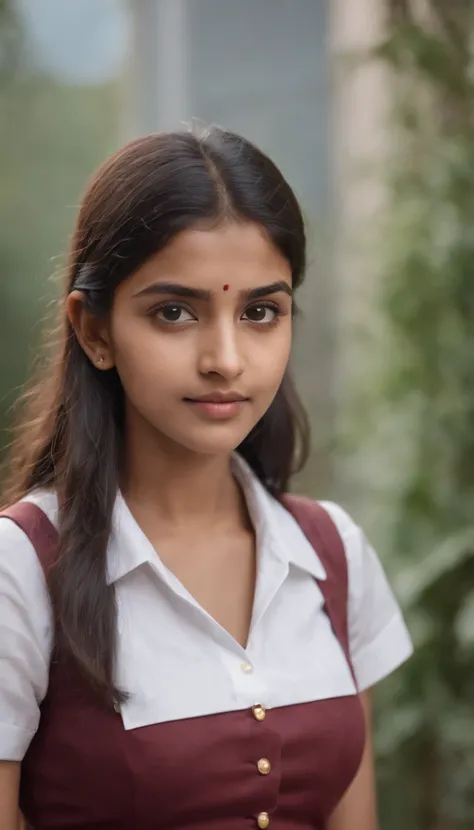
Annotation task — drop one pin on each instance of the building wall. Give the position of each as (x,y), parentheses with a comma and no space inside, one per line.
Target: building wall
(361,100)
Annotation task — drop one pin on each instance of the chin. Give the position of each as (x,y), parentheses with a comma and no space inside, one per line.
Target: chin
(213,441)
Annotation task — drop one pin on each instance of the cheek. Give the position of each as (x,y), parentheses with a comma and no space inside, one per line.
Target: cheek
(278,349)
(269,363)
(143,360)
(138,348)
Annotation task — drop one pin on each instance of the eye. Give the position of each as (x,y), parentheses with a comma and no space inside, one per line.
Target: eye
(265,313)
(173,313)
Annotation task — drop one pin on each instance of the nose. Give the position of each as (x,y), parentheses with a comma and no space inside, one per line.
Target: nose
(219,352)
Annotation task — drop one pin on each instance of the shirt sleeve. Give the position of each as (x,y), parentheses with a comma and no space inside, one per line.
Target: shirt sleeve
(378,637)
(25,641)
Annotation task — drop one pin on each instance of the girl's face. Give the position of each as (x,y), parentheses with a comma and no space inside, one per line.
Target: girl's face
(200,336)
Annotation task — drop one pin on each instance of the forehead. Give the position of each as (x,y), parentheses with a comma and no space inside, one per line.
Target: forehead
(241,255)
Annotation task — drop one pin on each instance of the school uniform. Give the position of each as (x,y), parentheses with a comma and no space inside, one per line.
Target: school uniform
(213,736)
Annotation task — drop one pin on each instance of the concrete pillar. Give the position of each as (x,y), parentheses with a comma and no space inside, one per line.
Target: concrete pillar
(157,97)
(361,96)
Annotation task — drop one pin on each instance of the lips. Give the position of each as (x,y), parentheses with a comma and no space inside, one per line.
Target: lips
(218,398)
(218,406)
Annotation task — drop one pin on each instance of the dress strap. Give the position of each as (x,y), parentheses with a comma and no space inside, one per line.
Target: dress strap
(40,531)
(320,530)
(314,521)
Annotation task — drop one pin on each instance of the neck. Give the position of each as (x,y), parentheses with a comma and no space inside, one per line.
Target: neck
(176,485)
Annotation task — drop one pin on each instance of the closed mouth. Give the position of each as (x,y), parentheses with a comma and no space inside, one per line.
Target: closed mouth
(216,398)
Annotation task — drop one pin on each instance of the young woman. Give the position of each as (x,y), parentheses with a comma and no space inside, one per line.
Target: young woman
(182,644)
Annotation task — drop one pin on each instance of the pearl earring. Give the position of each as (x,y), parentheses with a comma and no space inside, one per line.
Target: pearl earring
(101,359)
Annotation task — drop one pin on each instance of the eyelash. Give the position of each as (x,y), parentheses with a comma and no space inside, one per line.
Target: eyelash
(278,312)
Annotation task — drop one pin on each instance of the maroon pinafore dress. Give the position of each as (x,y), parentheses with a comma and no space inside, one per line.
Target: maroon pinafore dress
(284,768)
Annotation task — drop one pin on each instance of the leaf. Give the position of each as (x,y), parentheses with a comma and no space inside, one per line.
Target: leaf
(399,727)
(414,580)
(465,622)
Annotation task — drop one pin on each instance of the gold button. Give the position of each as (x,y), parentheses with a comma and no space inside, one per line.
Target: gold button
(247,668)
(264,766)
(263,820)
(259,712)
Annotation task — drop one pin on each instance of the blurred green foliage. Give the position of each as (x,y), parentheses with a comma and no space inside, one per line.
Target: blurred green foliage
(51,138)
(426,383)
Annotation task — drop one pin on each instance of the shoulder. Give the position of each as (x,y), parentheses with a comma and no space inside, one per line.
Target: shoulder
(345,524)
(21,576)
(353,539)
(26,633)
(365,570)
(24,597)
(379,639)
(19,563)
(306,511)
(16,550)
(47,501)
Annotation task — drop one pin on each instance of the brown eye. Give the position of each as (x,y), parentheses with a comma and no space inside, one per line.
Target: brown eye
(261,314)
(174,313)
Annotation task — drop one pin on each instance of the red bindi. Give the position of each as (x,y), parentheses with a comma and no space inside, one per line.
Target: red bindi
(226,287)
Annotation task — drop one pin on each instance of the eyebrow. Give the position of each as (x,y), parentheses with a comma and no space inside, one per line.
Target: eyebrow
(177,290)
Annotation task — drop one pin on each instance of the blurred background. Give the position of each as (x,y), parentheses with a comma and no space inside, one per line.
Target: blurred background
(367,106)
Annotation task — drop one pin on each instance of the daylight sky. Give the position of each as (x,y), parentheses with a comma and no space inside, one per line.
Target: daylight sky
(77,41)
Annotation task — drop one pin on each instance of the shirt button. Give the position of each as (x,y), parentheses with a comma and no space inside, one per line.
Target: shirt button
(264,766)
(246,668)
(259,712)
(263,820)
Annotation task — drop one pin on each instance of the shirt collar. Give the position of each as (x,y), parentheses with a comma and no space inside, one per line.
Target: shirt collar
(276,530)
(128,546)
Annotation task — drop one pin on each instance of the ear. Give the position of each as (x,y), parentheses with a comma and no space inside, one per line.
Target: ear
(91,330)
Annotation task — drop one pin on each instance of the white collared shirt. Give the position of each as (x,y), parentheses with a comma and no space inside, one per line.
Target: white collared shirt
(176,661)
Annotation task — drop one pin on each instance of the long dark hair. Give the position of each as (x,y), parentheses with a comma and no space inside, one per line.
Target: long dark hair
(70,437)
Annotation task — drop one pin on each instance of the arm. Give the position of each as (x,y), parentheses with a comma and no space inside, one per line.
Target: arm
(357,810)
(9,784)
(25,638)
